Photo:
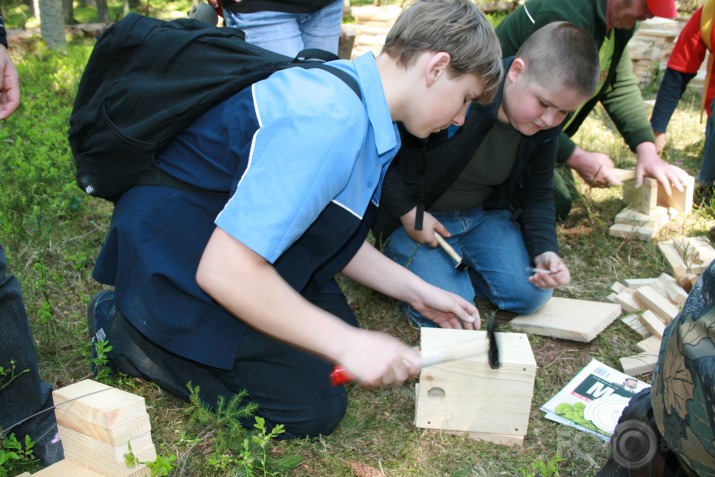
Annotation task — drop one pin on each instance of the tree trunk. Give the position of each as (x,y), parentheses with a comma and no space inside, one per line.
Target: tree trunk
(36,8)
(102,11)
(68,12)
(51,25)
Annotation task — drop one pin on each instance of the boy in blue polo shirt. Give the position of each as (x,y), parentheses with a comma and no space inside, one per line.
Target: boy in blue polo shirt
(240,294)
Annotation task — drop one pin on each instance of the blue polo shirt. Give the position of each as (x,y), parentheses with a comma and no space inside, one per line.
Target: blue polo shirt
(303,160)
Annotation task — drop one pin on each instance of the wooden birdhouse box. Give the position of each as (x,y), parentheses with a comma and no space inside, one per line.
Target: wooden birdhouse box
(466,395)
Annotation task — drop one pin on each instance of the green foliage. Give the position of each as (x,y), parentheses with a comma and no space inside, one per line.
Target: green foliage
(8,375)
(101,361)
(543,469)
(13,452)
(236,449)
(161,466)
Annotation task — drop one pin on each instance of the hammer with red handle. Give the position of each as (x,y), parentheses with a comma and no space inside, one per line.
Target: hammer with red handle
(341,375)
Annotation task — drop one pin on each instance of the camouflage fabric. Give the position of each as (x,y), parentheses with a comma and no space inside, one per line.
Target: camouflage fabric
(683,384)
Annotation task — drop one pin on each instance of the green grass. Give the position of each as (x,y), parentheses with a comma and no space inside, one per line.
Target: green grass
(52,233)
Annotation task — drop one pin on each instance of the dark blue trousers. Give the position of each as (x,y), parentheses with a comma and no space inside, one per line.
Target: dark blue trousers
(291,387)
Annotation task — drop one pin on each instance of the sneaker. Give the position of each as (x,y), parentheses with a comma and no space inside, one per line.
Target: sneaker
(100,312)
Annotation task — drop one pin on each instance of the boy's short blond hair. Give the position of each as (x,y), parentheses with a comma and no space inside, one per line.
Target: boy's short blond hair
(456,27)
(561,54)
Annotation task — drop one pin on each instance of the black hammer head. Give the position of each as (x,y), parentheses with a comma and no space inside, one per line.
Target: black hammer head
(493,348)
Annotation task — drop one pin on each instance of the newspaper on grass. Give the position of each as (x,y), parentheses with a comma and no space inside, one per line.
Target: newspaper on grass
(594,399)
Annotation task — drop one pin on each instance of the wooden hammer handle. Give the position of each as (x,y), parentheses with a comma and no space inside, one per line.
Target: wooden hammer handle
(447,248)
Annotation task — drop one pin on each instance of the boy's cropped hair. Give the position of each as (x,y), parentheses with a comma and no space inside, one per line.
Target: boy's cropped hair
(456,27)
(561,54)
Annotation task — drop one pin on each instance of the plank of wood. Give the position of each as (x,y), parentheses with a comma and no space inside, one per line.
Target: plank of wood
(639,364)
(513,440)
(675,292)
(627,301)
(633,322)
(618,287)
(657,303)
(631,216)
(644,199)
(114,436)
(99,404)
(468,395)
(639,282)
(623,174)
(649,345)
(103,458)
(66,468)
(633,231)
(675,261)
(568,318)
(654,325)
(679,200)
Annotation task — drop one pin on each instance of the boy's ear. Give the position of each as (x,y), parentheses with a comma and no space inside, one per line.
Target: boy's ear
(437,66)
(516,70)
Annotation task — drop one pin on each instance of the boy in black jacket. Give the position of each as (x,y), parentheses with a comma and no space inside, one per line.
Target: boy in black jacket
(487,188)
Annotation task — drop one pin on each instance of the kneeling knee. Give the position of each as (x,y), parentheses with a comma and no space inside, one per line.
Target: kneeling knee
(319,417)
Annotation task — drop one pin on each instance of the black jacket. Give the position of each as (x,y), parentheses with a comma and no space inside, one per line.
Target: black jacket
(424,169)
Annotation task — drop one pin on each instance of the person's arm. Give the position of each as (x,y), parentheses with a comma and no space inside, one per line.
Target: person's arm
(624,104)
(685,59)
(267,303)
(374,270)
(538,219)
(9,79)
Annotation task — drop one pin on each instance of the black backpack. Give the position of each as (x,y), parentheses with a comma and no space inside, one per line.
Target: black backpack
(148,79)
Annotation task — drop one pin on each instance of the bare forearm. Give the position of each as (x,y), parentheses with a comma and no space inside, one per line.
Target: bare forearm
(250,288)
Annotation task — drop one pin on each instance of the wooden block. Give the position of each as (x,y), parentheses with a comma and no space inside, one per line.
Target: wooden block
(115,436)
(639,364)
(654,325)
(567,318)
(674,260)
(623,174)
(627,302)
(104,458)
(99,404)
(633,231)
(643,199)
(618,287)
(650,345)
(657,303)
(679,200)
(467,395)
(639,282)
(705,250)
(501,439)
(633,322)
(696,252)
(632,216)
(675,292)
(611,297)
(66,468)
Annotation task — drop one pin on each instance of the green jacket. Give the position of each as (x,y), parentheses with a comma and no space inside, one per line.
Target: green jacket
(619,94)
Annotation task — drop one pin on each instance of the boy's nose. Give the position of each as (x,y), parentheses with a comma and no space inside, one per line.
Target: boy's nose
(461,116)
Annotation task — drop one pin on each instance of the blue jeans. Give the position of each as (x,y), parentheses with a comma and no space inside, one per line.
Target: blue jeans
(27,394)
(491,243)
(706,176)
(289,33)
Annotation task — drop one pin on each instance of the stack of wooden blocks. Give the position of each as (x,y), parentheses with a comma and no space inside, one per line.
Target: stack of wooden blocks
(648,207)
(652,303)
(97,424)
(467,396)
